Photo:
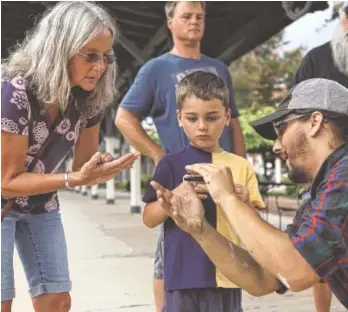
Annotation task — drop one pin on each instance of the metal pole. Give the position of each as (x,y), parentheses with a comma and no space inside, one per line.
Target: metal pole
(135,185)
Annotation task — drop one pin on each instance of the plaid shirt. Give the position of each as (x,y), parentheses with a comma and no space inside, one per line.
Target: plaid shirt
(320,228)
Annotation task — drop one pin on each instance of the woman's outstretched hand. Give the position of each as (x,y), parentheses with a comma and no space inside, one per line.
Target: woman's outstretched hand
(103,167)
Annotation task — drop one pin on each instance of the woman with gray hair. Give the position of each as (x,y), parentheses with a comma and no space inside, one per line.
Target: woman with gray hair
(55,88)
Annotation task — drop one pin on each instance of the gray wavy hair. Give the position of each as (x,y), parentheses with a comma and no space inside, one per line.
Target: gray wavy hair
(339,45)
(46,51)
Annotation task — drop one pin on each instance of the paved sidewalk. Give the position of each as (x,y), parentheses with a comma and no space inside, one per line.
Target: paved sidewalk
(111,256)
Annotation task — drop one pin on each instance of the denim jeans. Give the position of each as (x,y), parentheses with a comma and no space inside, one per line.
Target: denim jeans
(41,245)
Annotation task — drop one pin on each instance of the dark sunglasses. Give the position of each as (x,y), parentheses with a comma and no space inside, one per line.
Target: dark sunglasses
(279,127)
(92,57)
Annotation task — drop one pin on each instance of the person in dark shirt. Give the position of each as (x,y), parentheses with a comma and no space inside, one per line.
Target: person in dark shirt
(319,63)
(329,61)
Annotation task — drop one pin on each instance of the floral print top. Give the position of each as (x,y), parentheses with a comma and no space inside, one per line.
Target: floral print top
(21,113)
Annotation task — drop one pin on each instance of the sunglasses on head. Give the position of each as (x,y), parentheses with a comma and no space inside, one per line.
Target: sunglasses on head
(92,57)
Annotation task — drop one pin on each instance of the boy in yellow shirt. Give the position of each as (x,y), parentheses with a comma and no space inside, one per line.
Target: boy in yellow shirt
(192,283)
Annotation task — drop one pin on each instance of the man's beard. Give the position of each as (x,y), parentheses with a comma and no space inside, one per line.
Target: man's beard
(296,173)
(339,48)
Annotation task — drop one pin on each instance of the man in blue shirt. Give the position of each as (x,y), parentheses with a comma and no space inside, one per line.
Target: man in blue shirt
(153,93)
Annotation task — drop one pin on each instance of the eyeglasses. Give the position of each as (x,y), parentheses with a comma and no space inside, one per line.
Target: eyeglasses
(279,126)
(94,57)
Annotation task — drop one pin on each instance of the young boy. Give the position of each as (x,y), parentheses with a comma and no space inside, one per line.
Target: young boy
(192,283)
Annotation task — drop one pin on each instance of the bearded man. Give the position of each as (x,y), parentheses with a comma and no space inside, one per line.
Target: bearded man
(310,129)
(329,61)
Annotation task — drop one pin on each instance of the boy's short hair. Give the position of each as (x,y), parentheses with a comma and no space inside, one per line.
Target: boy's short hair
(170,6)
(203,85)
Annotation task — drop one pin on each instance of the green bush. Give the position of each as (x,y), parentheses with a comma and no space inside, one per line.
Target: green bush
(291,190)
(253,141)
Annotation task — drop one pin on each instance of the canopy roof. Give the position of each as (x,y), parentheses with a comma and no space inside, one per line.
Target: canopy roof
(232,28)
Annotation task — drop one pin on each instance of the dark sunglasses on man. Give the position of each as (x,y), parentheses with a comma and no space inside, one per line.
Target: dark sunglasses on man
(279,126)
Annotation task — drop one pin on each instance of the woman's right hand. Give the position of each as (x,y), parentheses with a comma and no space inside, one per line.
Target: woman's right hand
(101,168)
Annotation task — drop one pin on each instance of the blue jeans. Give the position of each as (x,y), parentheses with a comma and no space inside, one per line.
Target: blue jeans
(41,245)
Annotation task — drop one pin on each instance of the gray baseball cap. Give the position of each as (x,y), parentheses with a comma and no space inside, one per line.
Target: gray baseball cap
(309,95)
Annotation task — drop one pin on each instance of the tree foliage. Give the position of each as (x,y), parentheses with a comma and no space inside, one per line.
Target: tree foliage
(261,78)
(253,141)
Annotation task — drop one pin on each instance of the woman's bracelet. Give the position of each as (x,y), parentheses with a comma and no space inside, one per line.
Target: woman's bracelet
(66,181)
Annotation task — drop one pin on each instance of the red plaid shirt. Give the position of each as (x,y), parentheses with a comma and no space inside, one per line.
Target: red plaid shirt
(320,228)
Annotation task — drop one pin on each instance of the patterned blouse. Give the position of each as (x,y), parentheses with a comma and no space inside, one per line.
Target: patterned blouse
(21,113)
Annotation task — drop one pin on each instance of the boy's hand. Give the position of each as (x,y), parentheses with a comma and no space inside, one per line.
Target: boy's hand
(218,179)
(201,189)
(243,192)
(185,207)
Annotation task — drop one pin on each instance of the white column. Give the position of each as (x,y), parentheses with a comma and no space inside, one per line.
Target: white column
(94,191)
(84,190)
(124,173)
(135,185)
(110,185)
(278,170)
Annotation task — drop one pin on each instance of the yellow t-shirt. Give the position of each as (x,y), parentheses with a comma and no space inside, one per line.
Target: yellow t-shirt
(243,174)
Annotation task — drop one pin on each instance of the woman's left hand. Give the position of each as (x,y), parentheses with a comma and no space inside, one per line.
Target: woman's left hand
(103,167)
(218,179)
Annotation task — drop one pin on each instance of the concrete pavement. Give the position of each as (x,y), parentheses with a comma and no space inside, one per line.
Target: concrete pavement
(111,259)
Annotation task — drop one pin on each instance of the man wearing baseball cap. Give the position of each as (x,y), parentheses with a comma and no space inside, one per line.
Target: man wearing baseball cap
(310,129)
(308,96)
(329,61)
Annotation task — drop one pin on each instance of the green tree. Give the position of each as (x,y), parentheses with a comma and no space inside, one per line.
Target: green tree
(263,76)
(253,141)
